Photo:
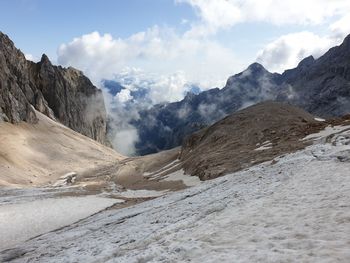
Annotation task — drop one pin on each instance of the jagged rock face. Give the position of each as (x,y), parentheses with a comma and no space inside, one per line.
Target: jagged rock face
(62,94)
(17,94)
(322,86)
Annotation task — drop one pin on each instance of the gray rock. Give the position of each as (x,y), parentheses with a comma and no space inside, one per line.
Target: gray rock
(62,94)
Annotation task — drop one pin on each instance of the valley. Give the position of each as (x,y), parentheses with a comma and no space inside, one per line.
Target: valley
(260,173)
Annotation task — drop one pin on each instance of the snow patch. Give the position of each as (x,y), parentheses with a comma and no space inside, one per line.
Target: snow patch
(264,146)
(181,176)
(329,130)
(141,193)
(22,221)
(319,119)
(159,173)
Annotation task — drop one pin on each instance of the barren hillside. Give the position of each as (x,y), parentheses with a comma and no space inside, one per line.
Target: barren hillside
(39,154)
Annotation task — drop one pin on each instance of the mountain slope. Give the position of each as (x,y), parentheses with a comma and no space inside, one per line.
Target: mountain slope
(253,135)
(59,93)
(39,154)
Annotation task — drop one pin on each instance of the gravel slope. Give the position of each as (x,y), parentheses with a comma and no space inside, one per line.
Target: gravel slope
(39,154)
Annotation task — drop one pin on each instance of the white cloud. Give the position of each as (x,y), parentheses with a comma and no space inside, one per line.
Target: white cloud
(341,28)
(162,52)
(124,141)
(123,96)
(121,133)
(222,14)
(174,59)
(161,88)
(168,88)
(31,57)
(98,55)
(287,51)
(215,15)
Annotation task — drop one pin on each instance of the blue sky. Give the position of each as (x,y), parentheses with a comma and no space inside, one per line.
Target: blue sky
(171,43)
(39,26)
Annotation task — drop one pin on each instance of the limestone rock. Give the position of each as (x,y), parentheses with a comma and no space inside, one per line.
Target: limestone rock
(63,94)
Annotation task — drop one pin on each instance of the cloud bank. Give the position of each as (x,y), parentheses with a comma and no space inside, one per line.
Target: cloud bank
(285,51)
(157,50)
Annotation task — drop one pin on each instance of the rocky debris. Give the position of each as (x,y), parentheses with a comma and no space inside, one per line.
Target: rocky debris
(250,136)
(66,179)
(63,94)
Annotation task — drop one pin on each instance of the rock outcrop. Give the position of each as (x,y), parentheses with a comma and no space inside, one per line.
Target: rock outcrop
(64,94)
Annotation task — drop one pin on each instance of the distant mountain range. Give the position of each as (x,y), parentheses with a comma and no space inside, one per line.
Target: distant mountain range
(320,86)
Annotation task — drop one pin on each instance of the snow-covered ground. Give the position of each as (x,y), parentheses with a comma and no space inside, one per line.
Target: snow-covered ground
(141,193)
(264,146)
(180,175)
(25,220)
(295,210)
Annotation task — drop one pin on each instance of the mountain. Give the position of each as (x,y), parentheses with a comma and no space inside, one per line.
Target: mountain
(165,126)
(62,94)
(247,137)
(319,86)
(322,86)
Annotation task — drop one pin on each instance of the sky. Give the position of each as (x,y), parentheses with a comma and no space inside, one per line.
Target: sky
(168,44)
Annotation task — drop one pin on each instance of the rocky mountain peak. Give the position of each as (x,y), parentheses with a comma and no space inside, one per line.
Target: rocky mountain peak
(44,59)
(306,61)
(189,96)
(346,42)
(4,39)
(256,67)
(62,94)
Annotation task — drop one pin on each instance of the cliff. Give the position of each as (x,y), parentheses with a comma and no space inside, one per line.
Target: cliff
(62,94)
